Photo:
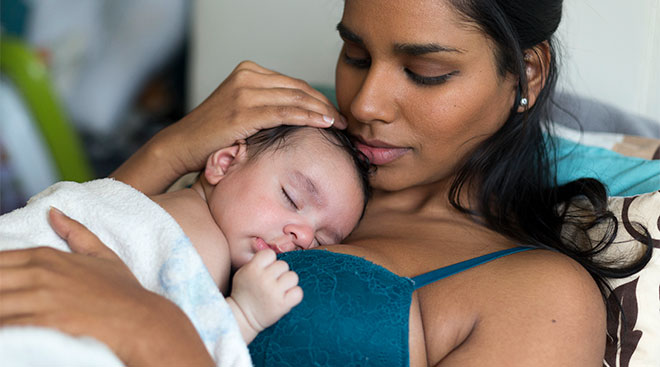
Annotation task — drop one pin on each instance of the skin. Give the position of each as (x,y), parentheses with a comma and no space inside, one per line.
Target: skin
(242,211)
(527,309)
(241,205)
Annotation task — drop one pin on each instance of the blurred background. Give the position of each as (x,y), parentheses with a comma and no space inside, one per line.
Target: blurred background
(84,83)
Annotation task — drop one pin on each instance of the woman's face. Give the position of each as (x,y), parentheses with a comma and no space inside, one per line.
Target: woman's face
(419,87)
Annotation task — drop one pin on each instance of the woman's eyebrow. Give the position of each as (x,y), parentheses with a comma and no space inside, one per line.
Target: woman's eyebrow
(348,35)
(421,49)
(400,48)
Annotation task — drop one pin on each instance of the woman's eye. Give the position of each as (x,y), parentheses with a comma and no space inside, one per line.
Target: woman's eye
(356,56)
(428,80)
(288,198)
(358,63)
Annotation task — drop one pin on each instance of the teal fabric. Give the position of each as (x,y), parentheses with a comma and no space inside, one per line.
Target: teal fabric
(353,313)
(623,176)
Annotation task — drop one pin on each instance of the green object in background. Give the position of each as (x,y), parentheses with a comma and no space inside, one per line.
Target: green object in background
(30,76)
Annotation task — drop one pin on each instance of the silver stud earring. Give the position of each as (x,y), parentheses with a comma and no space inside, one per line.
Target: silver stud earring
(523,102)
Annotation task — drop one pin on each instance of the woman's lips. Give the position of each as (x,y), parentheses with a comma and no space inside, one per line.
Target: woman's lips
(380,153)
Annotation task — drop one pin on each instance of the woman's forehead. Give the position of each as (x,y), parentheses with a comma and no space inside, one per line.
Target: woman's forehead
(408,21)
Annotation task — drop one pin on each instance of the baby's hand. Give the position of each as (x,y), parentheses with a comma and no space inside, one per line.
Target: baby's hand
(264,290)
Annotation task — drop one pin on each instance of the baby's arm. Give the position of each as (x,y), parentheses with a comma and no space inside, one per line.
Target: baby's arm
(263,290)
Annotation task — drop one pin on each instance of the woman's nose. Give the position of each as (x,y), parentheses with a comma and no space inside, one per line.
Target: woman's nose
(302,235)
(374,100)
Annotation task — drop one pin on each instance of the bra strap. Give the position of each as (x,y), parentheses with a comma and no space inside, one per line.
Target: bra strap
(435,275)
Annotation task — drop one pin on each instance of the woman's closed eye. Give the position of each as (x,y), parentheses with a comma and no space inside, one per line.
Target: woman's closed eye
(428,80)
(360,63)
(355,55)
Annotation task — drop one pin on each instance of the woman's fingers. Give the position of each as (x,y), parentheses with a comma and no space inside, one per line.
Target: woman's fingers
(16,277)
(251,65)
(79,238)
(279,90)
(256,97)
(13,258)
(270,116)
(20,305)
(283,81)
(244,68)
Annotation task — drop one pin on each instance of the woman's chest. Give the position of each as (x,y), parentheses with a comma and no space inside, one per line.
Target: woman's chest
(446,310)
(410,245)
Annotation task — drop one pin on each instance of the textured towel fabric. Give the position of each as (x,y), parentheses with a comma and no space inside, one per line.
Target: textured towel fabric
(148,240)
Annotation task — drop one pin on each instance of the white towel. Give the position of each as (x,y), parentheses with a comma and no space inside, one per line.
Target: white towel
(148,240)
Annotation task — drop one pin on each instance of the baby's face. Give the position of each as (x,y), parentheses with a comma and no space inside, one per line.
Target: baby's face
(294,198)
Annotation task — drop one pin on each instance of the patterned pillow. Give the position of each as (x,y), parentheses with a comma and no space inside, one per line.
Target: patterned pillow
(634,337)
(636,342)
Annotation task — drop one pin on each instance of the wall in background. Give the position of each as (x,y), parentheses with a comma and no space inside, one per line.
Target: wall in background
(611,52)
(294,37)
(611,47)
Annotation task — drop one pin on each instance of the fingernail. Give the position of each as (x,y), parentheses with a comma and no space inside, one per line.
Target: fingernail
(329,120)
(57,211)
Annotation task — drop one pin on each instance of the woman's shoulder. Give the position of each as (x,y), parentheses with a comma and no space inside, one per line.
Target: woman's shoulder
(533,306)
(551,278)
(540,263)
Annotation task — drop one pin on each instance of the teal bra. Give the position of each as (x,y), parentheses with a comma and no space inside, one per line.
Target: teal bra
(353,313)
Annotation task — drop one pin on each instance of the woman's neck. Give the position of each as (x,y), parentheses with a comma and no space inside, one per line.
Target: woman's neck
(430,198)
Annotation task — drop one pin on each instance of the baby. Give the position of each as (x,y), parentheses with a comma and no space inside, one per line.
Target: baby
(284,189)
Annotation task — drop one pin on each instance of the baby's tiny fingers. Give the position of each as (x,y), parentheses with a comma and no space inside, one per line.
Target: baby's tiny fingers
(288,280)
(293,296)
(264,258)
(277,268)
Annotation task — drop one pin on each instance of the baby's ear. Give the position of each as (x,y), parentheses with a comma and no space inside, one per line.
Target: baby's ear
(221,160)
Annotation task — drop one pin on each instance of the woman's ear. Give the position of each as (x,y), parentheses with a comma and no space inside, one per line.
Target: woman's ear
(537,60)
(222,160)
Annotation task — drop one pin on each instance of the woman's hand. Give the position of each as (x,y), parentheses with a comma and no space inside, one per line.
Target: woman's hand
(93,293)
(250,99)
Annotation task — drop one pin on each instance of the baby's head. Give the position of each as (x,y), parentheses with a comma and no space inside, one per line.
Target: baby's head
(286,188)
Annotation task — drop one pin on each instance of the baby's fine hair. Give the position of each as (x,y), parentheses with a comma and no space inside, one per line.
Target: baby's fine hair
(280,137)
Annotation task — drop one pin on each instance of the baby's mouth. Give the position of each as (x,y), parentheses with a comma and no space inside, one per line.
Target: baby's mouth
(260,244)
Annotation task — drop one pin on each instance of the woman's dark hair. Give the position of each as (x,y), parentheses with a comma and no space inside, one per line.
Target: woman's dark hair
(514,171)
(281,137)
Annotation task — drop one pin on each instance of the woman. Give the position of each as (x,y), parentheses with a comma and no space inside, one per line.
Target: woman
(446,98)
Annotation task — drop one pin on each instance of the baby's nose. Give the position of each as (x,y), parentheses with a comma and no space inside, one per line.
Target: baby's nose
(301,235)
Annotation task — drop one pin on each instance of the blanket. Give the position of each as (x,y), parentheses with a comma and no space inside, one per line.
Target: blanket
(148,240)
